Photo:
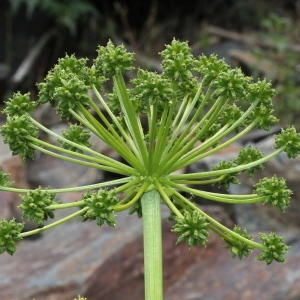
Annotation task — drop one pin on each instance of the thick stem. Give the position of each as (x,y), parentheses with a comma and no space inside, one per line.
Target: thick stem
(151,208)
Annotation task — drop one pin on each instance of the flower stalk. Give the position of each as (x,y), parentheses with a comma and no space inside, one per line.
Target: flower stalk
(151,208)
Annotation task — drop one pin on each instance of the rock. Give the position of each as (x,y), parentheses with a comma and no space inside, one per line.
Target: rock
(80,258)
(14,166)
(215,276)
(47,171)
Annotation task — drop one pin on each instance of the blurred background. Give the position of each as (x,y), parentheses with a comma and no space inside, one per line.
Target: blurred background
(261,37)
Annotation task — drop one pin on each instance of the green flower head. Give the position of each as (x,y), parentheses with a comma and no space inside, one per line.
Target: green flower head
(19,105)
(274,191)
(9,235)
(4,182)
(247,156)
(275,248)
(17,133)
(210,68)
(77,135)
(34,206)
(238,247)
(178,61)
(100,207)
(288,139)
(112,60)
(191,228)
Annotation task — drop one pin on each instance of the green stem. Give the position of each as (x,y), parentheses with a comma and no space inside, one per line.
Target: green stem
(61,221)
(108,161)
(134,199)
(151,209)
(112,166)
(152,115)
(73,189)
(131,117)
(193,155)
(216,197)
(167,200)
(219,225)
(76,161)
(172,158)
(115,143)
(66,205)
(194,176)
(117,123)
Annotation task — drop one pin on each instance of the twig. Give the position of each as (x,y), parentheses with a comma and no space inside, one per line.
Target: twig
(235,36)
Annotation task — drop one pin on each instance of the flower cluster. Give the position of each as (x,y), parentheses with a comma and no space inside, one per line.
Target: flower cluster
(155,125)
(19,105)
(16,133)
(100,207)
(274,191)
(77,135)
(288,139)
(9,234)
(4,182)
(275,248)
(191,228)
(35,206)
(239,247)
(151,89)
(112,60)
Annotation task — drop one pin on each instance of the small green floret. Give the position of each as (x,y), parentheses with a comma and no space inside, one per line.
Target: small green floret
(151,89)
(247,156)
(229,178)
(231,84)
(78,135)
(261,90)
(4,182)
(71,93)
(178,61)
(263,117)
(230,115)
(19,105)
(192,229)
(275,248)
(112,60)
(274,191)
(210,68)
(16,132)
(34,206)
(289,139)
(101,207)
(238,247)
(9,235)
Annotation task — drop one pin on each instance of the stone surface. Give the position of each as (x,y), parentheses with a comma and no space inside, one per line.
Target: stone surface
(215,276)
(80,258)
(16,167)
